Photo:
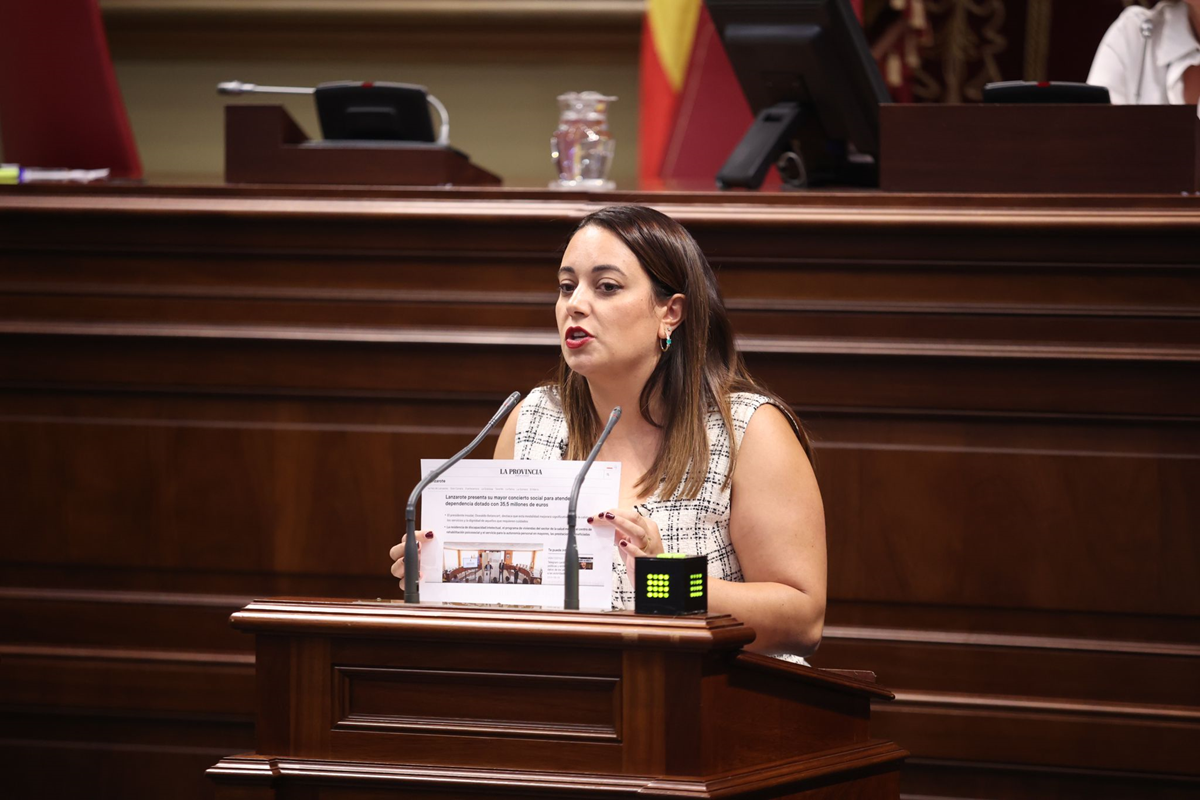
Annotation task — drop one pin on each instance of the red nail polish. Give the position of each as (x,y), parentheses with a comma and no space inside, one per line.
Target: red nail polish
(590,519)
(428,534)
(624,543)
(609,515)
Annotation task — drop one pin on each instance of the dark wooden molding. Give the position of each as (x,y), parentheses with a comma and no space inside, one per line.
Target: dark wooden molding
(548,340)
(61,595)
(125,654)
(448,12)
(592,696)
(941,778)
(464,30)
(252,769)
(1025,642)
(1007,705)
(1074,214)
(516,625)
(841,678)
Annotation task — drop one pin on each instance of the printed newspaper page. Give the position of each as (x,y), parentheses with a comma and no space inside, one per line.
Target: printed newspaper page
(500,532)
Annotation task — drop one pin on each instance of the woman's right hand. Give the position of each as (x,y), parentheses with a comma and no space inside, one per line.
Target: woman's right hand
(397,554)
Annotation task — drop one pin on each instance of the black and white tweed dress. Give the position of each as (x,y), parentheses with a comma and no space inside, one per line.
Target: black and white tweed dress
(687,526)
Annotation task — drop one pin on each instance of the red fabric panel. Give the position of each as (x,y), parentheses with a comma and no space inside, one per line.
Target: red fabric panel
(713,113)
(60,105)
(657,105)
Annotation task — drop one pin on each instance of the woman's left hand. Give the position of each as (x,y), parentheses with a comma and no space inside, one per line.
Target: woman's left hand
(636,535)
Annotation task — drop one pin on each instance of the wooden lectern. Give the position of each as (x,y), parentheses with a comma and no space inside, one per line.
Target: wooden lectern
(263,144)
(373,699)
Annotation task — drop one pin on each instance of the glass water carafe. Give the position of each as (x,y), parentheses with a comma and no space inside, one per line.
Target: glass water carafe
(582,147)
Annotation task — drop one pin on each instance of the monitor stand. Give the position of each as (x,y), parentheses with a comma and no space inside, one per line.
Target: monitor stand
(768,138)
(770,141)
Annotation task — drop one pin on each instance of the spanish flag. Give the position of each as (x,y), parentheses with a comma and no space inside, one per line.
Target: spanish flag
(692,110)
(668,32)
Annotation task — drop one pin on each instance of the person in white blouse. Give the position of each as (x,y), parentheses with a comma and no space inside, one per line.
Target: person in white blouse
(1151,56)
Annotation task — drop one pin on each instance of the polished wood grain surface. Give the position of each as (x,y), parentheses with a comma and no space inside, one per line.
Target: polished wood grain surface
(484,702)
(212,395)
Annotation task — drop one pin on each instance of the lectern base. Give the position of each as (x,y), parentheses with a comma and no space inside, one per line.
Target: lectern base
(868,771)
(263,144)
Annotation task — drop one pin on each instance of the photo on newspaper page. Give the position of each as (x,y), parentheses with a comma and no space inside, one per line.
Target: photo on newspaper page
(500,532)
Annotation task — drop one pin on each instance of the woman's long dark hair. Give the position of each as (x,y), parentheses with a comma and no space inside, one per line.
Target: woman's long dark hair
(696,375)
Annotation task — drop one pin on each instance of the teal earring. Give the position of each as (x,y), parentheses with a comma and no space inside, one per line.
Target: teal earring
(665,344)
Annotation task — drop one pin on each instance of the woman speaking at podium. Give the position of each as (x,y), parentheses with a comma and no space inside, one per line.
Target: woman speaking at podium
(711,462)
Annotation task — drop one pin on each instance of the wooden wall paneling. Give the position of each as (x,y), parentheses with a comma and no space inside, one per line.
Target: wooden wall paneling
(1004,732)
(1084,706)
(1033,148)
(1107,673)
(152,681)
(92,618)
(114,756)
(216,395)
(1024,518)
(939,778)
(123,692)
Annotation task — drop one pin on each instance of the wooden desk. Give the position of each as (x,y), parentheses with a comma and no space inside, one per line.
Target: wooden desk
(210,395)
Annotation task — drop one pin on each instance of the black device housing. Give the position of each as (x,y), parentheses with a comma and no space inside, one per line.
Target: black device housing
(1045,92)
(808,74)
(374,111)
(671,584)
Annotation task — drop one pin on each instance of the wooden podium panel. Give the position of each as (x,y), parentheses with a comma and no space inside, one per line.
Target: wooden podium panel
(362,697)
(263,144)
(212,394)
(1058,149)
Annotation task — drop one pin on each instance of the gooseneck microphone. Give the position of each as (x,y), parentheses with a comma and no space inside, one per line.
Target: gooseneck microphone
(571,577)
(412,566)
(1146,29)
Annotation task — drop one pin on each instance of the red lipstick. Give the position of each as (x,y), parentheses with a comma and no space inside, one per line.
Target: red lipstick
(576,337)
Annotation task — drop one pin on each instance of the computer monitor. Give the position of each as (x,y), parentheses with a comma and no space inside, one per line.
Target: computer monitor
(374,111)
(809,76)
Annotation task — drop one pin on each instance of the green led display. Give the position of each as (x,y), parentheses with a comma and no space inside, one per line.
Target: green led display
(658,585)
(696,585)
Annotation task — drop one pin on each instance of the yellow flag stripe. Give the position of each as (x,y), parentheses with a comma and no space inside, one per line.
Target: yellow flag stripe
(673,30)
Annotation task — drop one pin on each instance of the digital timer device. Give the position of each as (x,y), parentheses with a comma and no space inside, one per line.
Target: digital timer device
(671,584)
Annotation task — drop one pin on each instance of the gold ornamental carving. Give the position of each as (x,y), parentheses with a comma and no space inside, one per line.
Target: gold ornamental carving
(967,38)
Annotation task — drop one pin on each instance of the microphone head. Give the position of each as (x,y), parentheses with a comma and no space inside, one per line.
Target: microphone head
(234,87)
(505,409)
(608,426)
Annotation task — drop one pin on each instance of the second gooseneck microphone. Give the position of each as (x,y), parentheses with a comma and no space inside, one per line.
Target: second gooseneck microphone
(412,585)
(571,567)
